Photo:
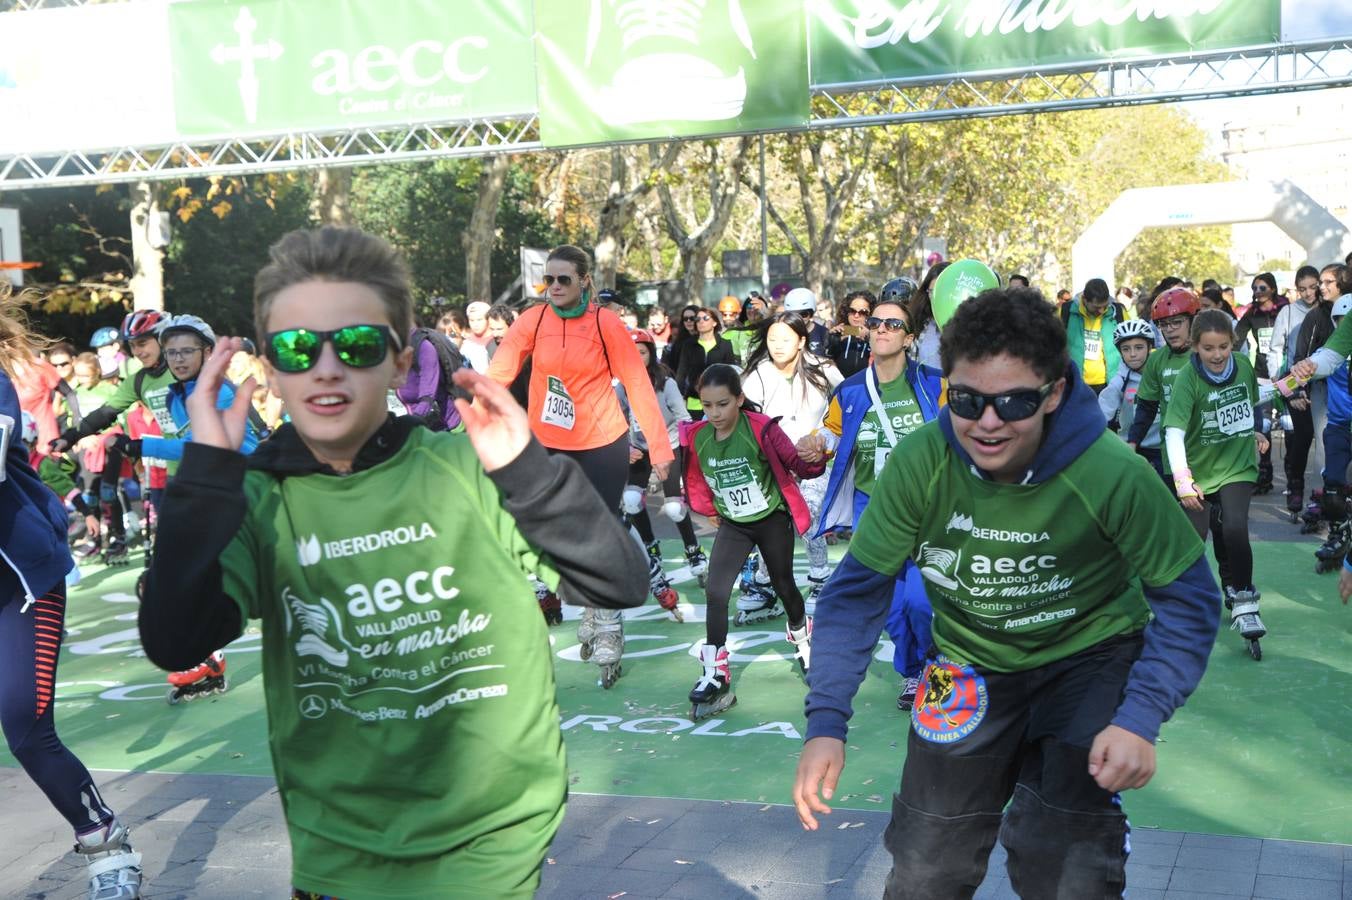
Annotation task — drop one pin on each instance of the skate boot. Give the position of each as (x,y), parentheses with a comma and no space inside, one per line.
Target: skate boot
(662,591)
(1243,606)
(801,638)
(114,868)
(699,564)
(586,632)
(199,681)
(1312,517)
(713,692)
(608,645)
(814,590)
(1331,554)
(906,699)
(550,606)
(115,551)
(759,604)
(90,546)
(1294,508)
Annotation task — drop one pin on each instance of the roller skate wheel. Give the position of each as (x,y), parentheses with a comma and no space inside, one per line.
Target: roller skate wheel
(224,685)
(1256,650)
(585,651)
(173,697)
(703,581)
(677,615)
(610,675)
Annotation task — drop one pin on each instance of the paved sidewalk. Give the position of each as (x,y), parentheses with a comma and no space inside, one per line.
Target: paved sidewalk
(213,837)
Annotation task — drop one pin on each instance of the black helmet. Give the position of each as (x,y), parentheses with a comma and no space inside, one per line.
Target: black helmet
(898,290)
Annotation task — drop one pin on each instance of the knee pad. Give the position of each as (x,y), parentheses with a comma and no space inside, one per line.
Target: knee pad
(632,500)
(674,509)
(107,492)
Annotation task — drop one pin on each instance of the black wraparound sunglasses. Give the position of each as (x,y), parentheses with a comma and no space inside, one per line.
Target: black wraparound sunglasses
(1011,406)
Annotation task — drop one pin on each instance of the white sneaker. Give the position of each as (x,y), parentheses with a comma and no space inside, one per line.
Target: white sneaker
(114,868)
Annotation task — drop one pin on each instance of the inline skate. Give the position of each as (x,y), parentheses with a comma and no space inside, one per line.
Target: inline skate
(607,645)
(801,639)
(199,681)
(712,693)
(662,591)
(699,564)
(550,607)
(1244,618)
(114,867)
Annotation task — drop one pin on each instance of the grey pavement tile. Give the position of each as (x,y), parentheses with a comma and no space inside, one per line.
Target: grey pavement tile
(789,890)
(1212,881)
(662,859)
(1216,858)
(1154,836)
(741,862)
(702,887)
(560,882)
(1132,893)
(1194,895)
(863,881)
(634,882)
(1278,887)
(1301,860)
(1154,854)
(1148,877)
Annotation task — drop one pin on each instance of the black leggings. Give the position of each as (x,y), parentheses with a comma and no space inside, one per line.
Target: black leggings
(671,489)
(606,467)
(775,537)
(29,644)
(1226,511)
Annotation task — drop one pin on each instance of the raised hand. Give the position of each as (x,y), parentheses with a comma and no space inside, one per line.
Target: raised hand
(224,428)
(496,424)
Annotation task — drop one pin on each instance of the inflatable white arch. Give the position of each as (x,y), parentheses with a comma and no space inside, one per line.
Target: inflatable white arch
(1324,237)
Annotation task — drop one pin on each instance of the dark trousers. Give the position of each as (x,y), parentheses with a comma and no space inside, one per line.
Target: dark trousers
(1337,453)
(1226,513)
(1298,441)
(1065,836)
(774,536)
(606,467)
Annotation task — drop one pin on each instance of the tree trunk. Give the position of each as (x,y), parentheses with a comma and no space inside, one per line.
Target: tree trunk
(333,191)
(147,249)
(696,246)
(479,237)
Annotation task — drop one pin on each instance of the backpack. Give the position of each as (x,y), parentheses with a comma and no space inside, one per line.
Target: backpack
(1119,311)
(444,390)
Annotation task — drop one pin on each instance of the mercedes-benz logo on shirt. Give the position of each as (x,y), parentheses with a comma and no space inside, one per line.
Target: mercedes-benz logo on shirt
(312,706)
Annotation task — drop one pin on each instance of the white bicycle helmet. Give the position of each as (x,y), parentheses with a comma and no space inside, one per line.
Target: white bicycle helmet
(1341,307)
(186,324)
(1134,328)
(800,300)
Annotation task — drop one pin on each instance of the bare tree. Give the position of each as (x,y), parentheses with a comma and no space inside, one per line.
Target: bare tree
(478,238)
(330,204)
(624,192)
(724,173)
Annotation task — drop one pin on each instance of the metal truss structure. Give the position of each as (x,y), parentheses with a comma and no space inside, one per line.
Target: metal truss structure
(1160,79)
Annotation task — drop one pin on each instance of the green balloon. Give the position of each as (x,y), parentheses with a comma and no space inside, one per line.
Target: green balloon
(961,281)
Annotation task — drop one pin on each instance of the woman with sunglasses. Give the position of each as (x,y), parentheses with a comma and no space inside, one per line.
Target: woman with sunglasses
(787,382)
(869,415)
(577,350)
(404,654)
(847,346)
(699,346)
(1050,679)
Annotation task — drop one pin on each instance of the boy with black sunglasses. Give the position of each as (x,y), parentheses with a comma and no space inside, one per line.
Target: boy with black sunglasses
(1048,679)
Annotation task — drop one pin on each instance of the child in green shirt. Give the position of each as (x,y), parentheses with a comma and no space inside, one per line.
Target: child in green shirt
(1210,432)
(408,673)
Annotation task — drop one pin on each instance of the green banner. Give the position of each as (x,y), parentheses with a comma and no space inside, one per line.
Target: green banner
(652,69)
(868,40)
(274,66)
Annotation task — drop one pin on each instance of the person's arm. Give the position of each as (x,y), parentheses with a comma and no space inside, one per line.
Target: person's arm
(550,500)
(186,613)
(782,447)
(516,346)
(1146,411)
(98,420)
(423,390)
(1175,445)
(1178,642)
(1277,343)
(628,367)
(1110,399)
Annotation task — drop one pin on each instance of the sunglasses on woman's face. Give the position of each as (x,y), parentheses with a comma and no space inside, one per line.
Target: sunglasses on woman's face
(859,311)
(357,346)
(563,280)
(876,324)
(1011,406)
(704,317)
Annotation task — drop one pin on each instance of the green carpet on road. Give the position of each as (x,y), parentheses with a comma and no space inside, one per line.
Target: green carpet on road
(1263,749)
